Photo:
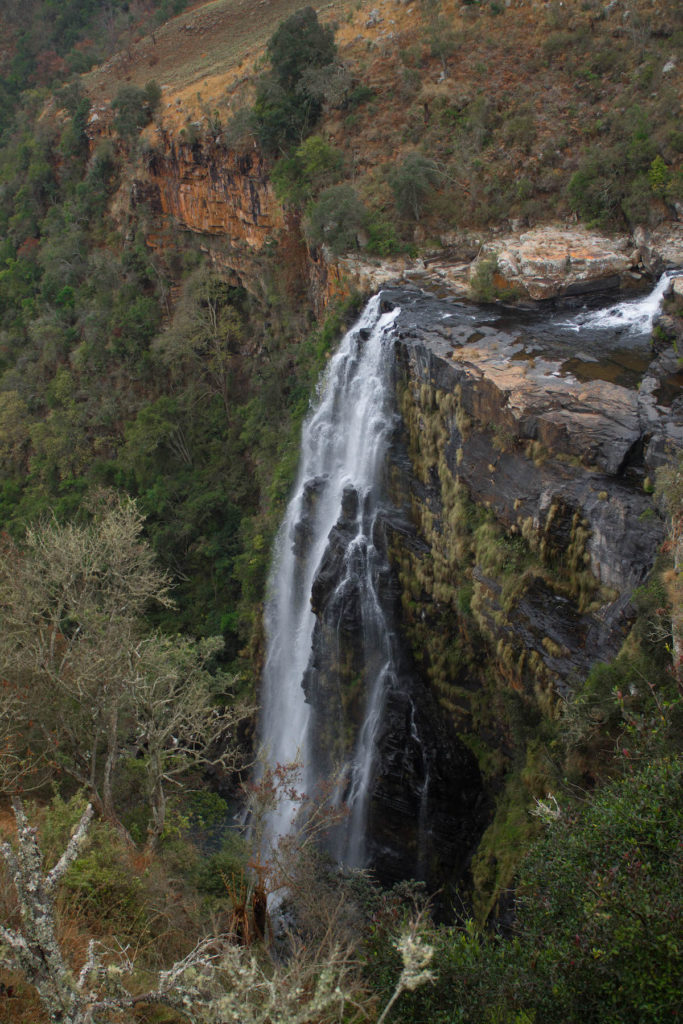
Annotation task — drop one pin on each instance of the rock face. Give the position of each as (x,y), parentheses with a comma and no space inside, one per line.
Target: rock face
(529,488)
(557,261)
(213,191)
(425,811)
(516,524)
(660,248)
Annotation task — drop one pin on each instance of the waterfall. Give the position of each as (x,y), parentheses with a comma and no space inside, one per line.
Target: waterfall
(342,452)
(634,316)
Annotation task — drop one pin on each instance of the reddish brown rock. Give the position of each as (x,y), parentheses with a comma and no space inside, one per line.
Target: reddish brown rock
(214,191)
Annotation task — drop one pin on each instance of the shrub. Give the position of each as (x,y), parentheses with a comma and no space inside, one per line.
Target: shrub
(596,931)
(336,218)
(412,184)
(520,131)
(593,191)
(359,95)
(598,905)
(382,237)
(298,44)
(658,176)
(314,164)
(481,281)
(134,108)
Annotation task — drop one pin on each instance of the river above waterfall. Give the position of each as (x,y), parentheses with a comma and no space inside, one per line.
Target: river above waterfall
(608,341)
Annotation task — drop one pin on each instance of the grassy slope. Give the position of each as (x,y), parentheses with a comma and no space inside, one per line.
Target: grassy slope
(517,101)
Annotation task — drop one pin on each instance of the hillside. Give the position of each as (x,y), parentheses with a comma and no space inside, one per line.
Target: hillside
(510,101)
(195,200)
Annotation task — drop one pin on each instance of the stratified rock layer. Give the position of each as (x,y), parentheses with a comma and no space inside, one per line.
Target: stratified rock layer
(562,464)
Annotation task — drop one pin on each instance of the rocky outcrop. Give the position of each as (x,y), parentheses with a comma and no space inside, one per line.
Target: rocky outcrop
(509,418)
(551,261)
(212,191)
(542,263)
(660,248)
(425,810)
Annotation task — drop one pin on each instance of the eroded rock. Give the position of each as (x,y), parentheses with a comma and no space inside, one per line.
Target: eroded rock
(548,261)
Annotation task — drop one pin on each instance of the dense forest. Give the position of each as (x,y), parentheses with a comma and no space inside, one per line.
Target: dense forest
(150,413)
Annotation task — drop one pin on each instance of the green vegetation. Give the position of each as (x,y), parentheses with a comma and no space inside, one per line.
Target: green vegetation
(54,41)
(289,98)
(136,372)
(412,183)
(336,219)
(595,937)
(134,109)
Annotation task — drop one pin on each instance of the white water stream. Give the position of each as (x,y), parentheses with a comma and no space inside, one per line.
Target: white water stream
(343,445)
(632,315)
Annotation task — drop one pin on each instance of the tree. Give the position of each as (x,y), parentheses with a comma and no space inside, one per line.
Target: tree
(135,108)
(205,337)
(314,164)
(88,685)
(298,44)
(289,99)
(179,724)
(412,184)
(14,435)
(216,982)
(336,218)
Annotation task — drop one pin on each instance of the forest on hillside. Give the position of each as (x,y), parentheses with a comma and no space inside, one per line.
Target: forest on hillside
(150,413)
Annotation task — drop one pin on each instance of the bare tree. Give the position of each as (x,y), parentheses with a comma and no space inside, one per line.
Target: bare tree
(217,982)
(179,726)
(84,686)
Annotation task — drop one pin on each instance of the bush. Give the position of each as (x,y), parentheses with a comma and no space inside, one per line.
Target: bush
(412,184)
(382,237)
(597,938)
(314,164)
(593,191)
(599,905)
(483,282)
(298,44)
(134,108)
(336,219)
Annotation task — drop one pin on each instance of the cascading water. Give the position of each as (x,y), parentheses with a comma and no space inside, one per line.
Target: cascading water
(343,447)
(631,315)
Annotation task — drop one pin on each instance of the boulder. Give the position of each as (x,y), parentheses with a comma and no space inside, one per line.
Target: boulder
(660,248)
(548,261)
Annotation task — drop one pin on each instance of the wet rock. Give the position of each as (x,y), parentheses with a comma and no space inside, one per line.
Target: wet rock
(303,530)
(424,814)
(562,460)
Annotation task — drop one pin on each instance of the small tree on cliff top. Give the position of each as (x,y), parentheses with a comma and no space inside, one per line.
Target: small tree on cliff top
(298,44)
(289,99)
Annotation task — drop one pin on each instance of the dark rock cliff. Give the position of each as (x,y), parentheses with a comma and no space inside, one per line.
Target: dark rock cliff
(558,466)
(519,520)
(425,811)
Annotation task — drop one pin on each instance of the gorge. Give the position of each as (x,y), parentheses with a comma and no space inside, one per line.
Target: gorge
(341,427)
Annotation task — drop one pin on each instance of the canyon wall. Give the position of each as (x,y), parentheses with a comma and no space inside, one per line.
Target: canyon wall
(518,518)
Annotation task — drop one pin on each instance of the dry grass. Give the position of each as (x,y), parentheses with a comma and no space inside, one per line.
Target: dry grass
(204,51)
